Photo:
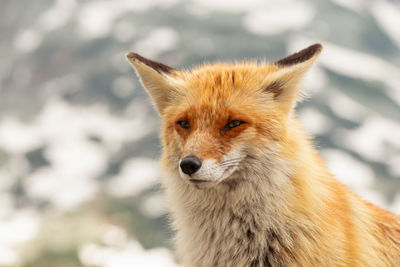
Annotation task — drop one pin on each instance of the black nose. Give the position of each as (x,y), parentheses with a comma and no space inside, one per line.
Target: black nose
(190,164)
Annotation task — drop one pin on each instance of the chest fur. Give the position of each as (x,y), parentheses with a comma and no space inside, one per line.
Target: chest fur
(229,237)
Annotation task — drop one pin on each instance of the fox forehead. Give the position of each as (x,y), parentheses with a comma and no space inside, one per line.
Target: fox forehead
(222,89)
(222,80)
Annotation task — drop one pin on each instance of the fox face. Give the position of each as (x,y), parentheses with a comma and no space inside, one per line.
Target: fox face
(211,135)
(216,118)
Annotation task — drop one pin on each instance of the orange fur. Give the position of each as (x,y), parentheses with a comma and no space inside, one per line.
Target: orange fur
(269,199)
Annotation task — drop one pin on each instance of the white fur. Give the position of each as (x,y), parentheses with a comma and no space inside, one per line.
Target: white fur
(213,172)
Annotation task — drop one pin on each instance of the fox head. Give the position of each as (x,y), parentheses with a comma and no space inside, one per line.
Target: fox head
(217,117)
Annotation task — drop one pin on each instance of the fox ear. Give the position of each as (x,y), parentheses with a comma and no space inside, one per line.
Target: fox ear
(284,82)
(156,78)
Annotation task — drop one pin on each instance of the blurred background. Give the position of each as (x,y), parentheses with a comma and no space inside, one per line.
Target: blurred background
(79,148)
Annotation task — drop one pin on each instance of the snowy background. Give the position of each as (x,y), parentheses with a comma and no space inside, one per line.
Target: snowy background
(79,142)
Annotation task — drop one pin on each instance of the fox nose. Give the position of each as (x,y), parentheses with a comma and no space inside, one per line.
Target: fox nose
(190,164)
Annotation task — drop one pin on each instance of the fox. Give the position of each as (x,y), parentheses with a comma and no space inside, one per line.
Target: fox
(245,185)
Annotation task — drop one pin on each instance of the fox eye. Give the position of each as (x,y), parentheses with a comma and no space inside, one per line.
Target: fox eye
(232,124)
(184,124)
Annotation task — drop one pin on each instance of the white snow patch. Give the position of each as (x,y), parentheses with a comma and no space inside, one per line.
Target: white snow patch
(314,121)
(65,191)
(201,7)
(136,175)
(279,17)
(154,205)
(315,81)
(348,170)
(345,107)
(15,231)
(261,17)
(157,41)
(59,122)
(28,40)
(124,31)
(229,6)
(115,236)
(355,174)
(75,160)
(373,139)
(96,18)
(57,15)
(394,165)
(372,196)
(6,205)
(8,256)
(123,86)
(356,64)
(17,137)
(358,6)
(132,254)
(387,15)
(395,207)
(77,157)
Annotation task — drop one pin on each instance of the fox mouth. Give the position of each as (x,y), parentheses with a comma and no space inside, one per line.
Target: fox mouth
(197,181)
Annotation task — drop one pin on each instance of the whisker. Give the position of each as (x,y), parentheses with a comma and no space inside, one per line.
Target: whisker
(228,164)
(225,166)
(235,159)
(232,160)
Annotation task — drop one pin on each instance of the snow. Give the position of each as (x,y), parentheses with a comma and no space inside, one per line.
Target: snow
(97,17)
(279,18)
(357,6)
(136,175)
(154,205)
(396,204)
(123,86)
(355,64)
(60,122)
(373,140)
(132,254)
(315,81)
(345,107)
(387,14)
(230,6)
(17,137)
(157,41)
(57,15)
(348,169)
(15,232)
(75,160)
(65,189)
(394,165)
(28,40)
(124,31)
(315,122)
(67,133)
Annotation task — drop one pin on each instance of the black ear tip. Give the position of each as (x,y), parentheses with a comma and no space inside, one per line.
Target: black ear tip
(300,56)
(130,55)
(134,56)
(317,47)
(157,66)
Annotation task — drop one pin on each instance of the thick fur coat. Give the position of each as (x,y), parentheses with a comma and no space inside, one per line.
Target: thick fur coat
(262,196)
